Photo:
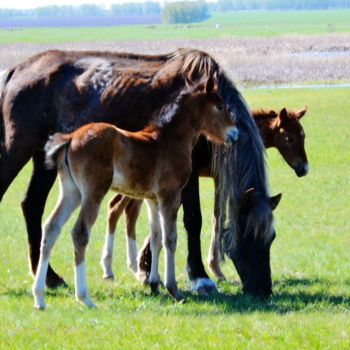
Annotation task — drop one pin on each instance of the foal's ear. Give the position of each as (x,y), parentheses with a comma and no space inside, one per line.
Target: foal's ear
(274,200)
(283,114)
(301,112)
(273,114)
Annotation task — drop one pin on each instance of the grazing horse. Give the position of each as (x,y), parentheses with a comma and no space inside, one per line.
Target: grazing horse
(154,163)
(281,130)
(59,91)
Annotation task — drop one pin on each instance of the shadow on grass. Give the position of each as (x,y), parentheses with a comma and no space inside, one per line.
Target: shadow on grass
(290,295)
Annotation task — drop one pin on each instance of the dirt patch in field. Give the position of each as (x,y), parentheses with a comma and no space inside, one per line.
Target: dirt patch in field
(250,60)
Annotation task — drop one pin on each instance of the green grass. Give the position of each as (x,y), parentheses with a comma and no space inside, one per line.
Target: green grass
(309,258)
(259,23)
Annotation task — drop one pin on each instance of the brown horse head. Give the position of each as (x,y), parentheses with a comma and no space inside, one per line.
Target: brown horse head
(213,119)
(284,131)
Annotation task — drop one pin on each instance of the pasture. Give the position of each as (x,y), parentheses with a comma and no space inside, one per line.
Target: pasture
(309,258)
(237,24)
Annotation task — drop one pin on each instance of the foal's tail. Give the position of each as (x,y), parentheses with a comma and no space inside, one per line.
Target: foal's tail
(53,147)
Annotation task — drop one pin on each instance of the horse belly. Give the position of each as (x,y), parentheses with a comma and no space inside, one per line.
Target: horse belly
(122,184)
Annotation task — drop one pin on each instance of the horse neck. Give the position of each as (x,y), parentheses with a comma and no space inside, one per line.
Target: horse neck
(267,128)
(185,125)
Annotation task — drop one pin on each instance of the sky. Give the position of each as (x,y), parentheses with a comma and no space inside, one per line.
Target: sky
(29,4)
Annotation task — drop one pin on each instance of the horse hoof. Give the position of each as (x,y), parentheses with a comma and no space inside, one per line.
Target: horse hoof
(87,302)
(39,306)
(109,277)
(55,282)
(204,286)
(154,287)
(142,276)
(202,291)
(174,292)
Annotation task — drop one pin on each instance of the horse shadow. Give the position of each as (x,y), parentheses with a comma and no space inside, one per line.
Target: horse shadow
(290,296)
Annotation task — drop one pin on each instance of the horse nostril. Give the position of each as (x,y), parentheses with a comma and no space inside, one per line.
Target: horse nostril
(232,135)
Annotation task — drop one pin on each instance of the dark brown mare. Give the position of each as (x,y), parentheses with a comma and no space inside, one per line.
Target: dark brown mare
(154,164)
(281,130)
(58,91)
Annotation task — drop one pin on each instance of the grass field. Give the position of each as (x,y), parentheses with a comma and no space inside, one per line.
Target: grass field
(310,264)
(257,23)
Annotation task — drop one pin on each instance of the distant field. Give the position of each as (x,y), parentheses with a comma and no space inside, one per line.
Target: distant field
(230,24)
(248,60)
(310,262)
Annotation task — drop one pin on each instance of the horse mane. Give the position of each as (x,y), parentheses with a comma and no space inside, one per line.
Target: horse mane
(195,64)
(242,166)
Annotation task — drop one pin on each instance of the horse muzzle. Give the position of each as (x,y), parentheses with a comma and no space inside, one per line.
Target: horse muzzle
(301,169)
(232,136)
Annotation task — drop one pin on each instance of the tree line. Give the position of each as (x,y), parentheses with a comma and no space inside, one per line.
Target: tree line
(239,5)
(123,9)
(174,12)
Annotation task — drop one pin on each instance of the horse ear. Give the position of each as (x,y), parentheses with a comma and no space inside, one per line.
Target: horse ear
(274,200)
(210,85)
(283,114)
(273,114)
(301,112)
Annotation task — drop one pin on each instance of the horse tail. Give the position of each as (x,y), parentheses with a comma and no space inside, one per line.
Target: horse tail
(53,147)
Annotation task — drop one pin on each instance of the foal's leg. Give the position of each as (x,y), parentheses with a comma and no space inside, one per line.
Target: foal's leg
(81,235)
(213,257)
(199,279)
(131,214)
(155,244)
(116,207)
(168,208)
(96,185)
(33,205)
(68,201)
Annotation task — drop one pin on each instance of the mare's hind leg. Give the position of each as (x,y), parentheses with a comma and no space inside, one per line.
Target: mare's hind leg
(116,207)
(17,147)
(68,201)
(214,257)
(131,214)
(33,205)
(199,279)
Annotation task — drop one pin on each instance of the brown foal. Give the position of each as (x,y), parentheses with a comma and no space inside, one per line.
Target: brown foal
(153,164)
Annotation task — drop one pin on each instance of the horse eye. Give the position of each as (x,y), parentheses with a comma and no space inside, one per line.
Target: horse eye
(219,107)
(288,139)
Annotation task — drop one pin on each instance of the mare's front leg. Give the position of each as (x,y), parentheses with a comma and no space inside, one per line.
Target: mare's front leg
(33,205)
(199,279)
(116,207)
(168,208)
(214,255)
